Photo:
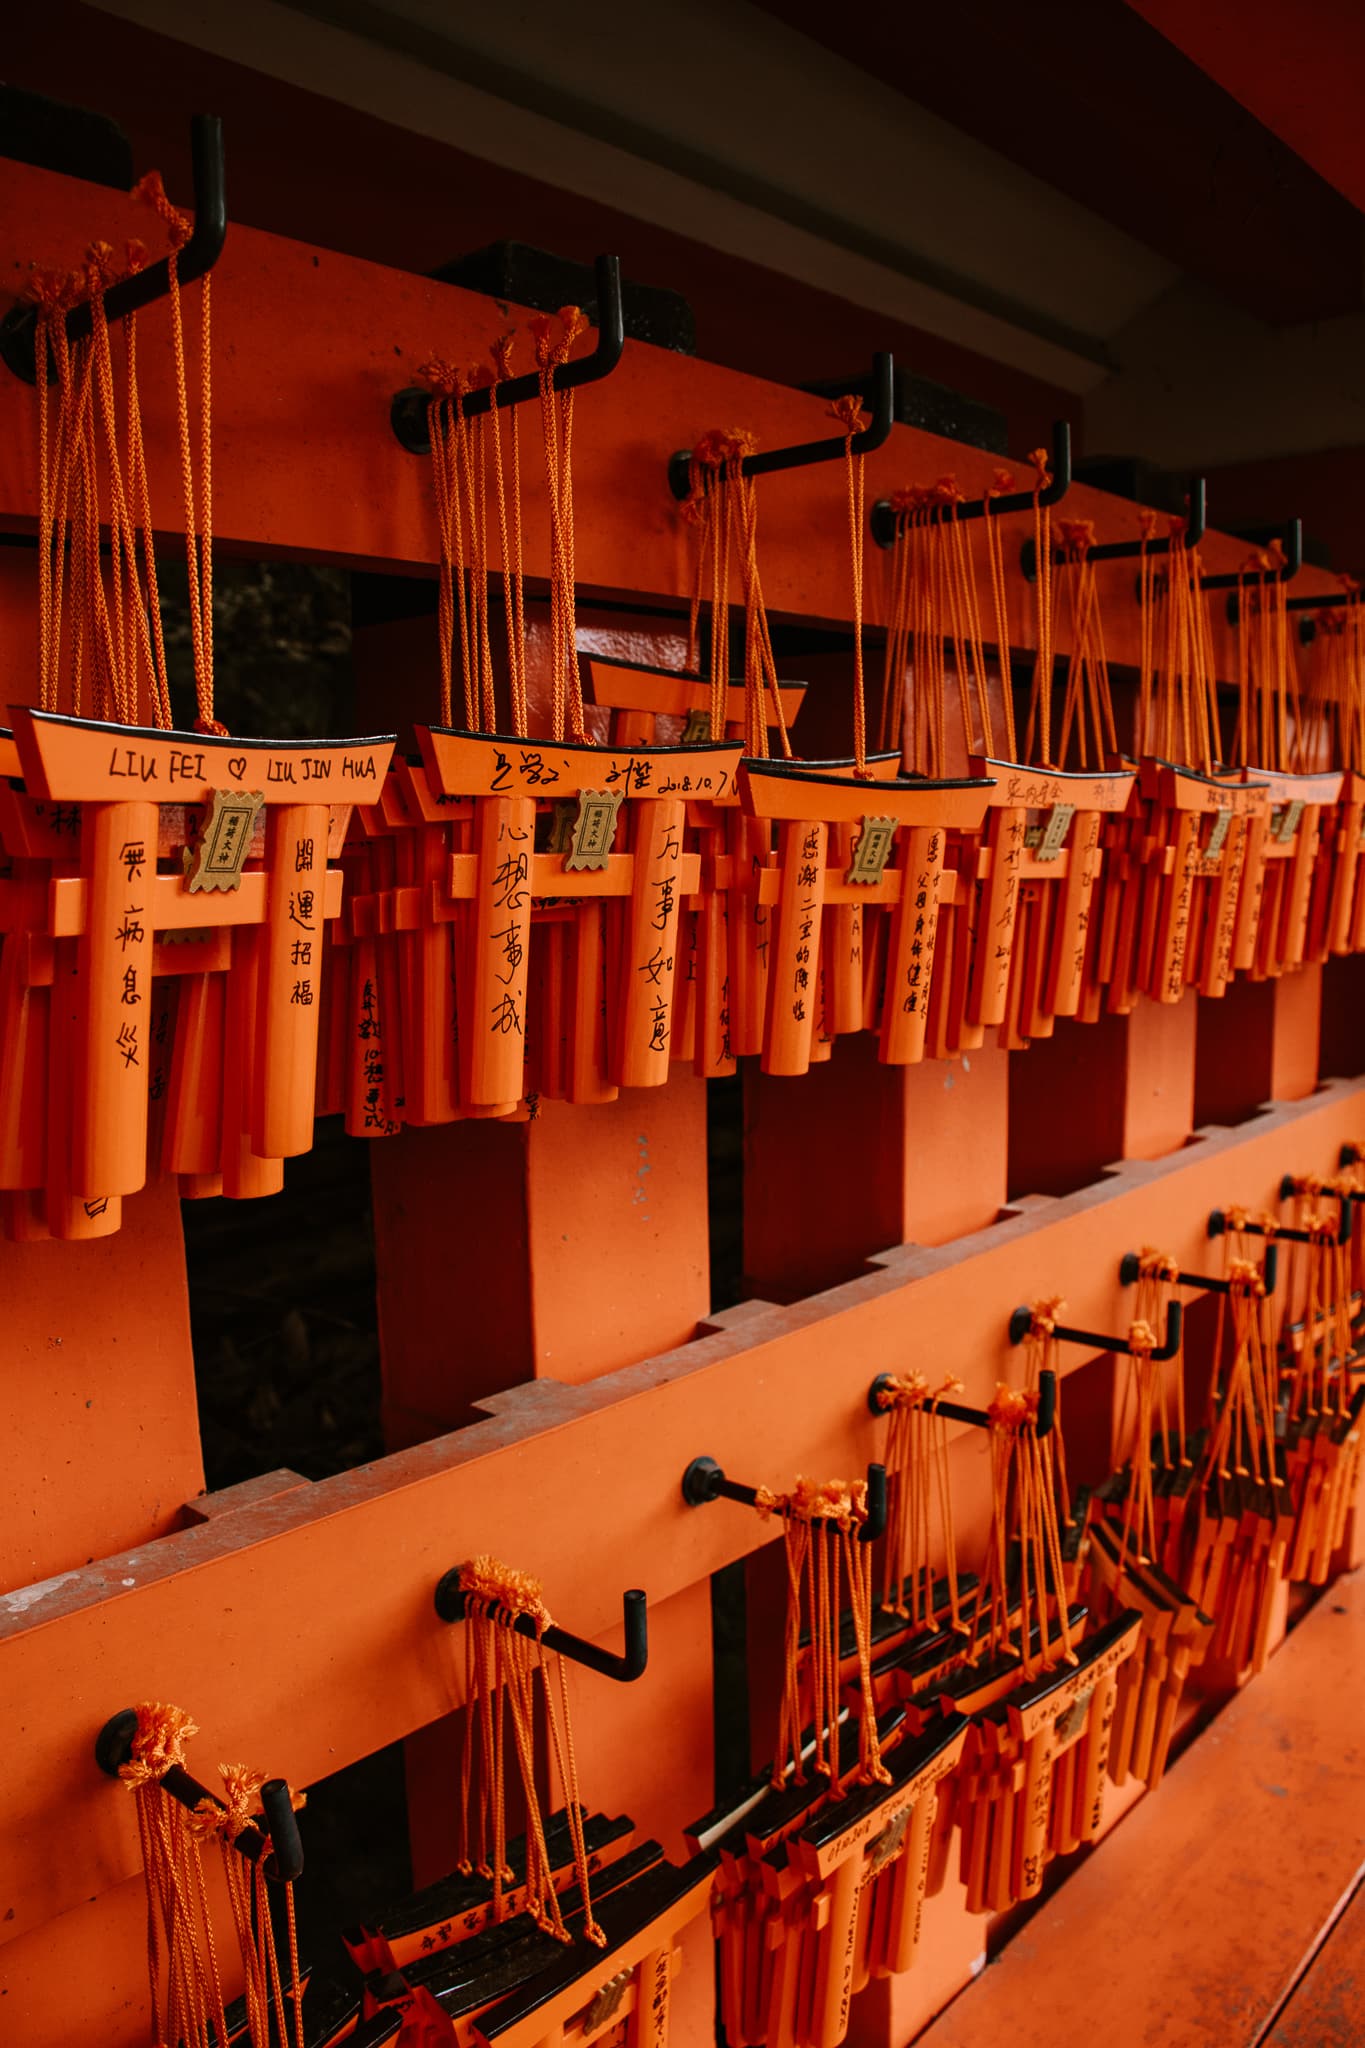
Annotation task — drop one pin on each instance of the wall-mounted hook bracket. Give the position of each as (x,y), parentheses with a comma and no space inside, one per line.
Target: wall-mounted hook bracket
(705,1480)
(1219,1226)
(625,1669)
(1321,601)
(1233,580)
(957,1411)
(279,1851)
(805,454)
(1292,1184)
(1128,550)
(883,520)
(409,411)
(144,287)
(1130,1272)
(1021,1322)
(1349,1155)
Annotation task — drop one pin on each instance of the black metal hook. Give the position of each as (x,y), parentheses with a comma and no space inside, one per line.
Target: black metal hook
(1126,550)
(1130,1271)
(1292,1184)
(1322,601)
(1219,1226)
(279,1851)
(1292,545)
(885,520)
(705,1480)
(625,1669)
(1021,1322)
(979,1418)
(409,411)
(805,454)
(1349,1155)
(144,287)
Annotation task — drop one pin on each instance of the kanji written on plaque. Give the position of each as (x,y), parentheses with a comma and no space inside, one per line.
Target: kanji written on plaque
(506,942)
(301,932)
(658,967)
(1183,884)
(1002,937)
(131,932)
(925,886)
(1226,930)
(370,1033)
(808,875)
(1087,854)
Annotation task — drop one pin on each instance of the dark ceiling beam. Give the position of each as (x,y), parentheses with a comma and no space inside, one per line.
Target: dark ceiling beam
(1300,71)
(1090,97)
(311,167)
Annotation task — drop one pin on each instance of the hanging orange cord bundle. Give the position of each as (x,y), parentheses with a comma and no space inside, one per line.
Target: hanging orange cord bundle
(1146,1419)
(722,503)
(849,414)
(1029,1507)
(450,469)
(1240,1512)
(1042,1353)
(918,1468)
(265,1993)
(1041,1693)
(1333,736)
(1173,922)
(465,448)
(1268,688)
(1038,733)
(1001,484)
(1328,733)
(101,651)
(913,676)
(1087,670)
(1341,718)
(113,617)
(710,507)
(1188,718)
(1242,1396)
(501,1668)
(198,502)
(70,596)
(556,412)
(1322,1449)
(186,1990)
(821,1524)
(934,603)
(1133,1540)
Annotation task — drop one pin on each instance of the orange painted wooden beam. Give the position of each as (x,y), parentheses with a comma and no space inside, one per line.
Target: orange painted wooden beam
(1328,2004)
(312,345)
(300,1629)
(1195,1919)
(99,1396)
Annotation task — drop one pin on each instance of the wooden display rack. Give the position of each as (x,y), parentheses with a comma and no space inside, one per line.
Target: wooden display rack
(548,1277)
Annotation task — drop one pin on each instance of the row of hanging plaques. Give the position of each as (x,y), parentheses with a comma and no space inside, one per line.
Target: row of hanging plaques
(936,1723)
(207,942)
